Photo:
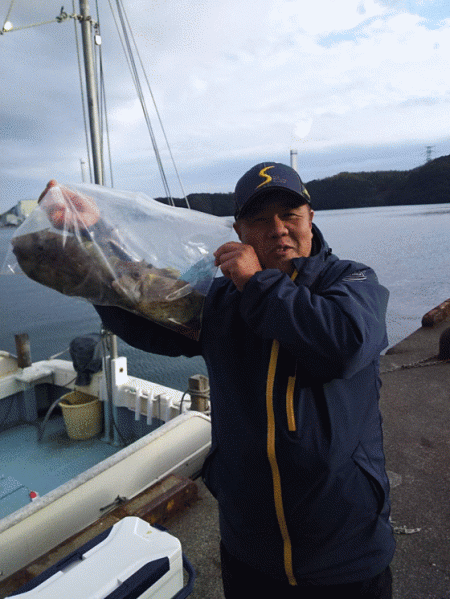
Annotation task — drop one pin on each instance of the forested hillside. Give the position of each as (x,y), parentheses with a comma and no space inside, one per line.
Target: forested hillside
(426,184)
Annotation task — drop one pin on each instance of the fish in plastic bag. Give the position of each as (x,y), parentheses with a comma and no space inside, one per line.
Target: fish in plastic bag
(122,249)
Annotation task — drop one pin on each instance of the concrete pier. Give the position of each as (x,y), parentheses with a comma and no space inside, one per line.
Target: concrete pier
(415,402)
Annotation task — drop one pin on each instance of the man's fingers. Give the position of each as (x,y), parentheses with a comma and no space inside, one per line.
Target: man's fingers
(67,209)
(225,256)
(237,262)
(50,184)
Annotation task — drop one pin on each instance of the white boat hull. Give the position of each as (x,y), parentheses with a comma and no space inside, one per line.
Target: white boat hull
(177,447)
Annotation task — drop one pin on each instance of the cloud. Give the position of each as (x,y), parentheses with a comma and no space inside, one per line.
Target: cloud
(302,127)
(235,82)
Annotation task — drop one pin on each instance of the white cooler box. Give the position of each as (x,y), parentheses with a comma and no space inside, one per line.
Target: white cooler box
(131,560)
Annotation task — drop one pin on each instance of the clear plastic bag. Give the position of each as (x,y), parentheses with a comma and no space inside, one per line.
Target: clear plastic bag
(121,249)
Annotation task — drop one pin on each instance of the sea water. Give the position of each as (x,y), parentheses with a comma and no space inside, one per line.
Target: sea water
(408,247)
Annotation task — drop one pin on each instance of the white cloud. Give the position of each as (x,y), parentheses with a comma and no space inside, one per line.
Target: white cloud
(324,17)
(232,80)
(127,114)
(302,127)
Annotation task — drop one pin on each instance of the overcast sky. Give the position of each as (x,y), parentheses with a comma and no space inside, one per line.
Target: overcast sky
(352,85)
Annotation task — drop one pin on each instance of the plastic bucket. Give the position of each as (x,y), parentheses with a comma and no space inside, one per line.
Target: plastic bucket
(82,414)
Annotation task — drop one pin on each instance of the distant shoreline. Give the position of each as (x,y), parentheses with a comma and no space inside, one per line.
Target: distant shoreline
(425,184)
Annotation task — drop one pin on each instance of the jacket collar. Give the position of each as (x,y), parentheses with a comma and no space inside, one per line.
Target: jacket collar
(309,268)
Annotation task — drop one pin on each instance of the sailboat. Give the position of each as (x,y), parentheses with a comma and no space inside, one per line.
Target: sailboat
(38,509)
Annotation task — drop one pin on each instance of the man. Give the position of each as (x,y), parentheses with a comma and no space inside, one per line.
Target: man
(291,336)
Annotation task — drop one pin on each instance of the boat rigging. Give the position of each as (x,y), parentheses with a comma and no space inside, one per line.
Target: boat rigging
(95,102)
(169,441)
(94,87)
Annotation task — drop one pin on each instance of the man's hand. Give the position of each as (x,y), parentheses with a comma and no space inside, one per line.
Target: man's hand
(67,209)
(237,262)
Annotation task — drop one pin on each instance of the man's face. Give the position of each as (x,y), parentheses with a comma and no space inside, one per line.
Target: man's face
(278,233)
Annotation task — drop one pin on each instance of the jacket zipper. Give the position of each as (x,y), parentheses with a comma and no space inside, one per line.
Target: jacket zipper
(271,453)
(292,426)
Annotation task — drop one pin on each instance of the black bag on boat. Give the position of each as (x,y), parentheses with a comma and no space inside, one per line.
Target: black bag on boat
(86,353)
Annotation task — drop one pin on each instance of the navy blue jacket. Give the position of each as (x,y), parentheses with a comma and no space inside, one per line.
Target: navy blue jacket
(296,462)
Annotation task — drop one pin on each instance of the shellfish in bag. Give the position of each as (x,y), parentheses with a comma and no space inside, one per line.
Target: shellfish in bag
(120,248)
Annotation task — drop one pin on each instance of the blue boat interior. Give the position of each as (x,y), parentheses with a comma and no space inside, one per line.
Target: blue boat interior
(36,459)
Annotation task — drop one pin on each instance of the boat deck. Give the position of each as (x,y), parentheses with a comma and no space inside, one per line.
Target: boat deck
(27,464)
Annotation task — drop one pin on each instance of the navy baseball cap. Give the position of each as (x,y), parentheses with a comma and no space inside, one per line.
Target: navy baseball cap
(264,177)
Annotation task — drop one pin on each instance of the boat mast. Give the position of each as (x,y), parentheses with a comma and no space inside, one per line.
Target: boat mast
(94,118)
(91,92)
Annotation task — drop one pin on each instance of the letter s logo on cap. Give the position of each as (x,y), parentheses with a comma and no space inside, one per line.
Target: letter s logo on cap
(267,178)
